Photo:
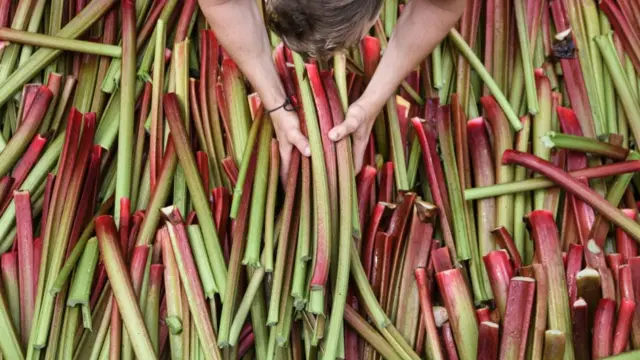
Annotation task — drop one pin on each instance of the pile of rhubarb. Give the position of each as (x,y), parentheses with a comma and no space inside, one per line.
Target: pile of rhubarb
(143,213)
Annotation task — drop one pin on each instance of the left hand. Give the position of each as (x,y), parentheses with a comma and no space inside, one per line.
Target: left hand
(358,122)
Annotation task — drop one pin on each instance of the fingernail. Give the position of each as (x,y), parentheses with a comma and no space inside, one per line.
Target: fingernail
(307,151)
(333,136)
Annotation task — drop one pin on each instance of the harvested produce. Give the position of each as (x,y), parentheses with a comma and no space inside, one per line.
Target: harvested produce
(142,212)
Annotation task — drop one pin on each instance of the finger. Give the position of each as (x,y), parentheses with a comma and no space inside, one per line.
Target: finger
(285,158)
(346,128)
(359,148)
(299,141)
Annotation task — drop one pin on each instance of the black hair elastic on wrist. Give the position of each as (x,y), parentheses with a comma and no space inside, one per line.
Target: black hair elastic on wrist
(287,106)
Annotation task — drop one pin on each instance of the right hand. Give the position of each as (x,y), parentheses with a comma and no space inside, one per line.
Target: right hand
(287,127)
(358,123)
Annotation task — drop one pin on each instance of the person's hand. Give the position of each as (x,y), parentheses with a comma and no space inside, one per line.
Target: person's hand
(358,122)
(287,127)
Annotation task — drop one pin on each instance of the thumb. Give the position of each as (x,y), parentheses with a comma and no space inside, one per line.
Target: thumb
(347,127)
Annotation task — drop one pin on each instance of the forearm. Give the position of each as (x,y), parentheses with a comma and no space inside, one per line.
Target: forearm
(422,25)
(241,31)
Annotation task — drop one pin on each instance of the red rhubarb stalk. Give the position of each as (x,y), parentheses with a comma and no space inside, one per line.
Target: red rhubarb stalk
(484,175)
(624,243)
(575,187)
(581,336)
(381,210)
(25,132)
(623,326)
(574,265)
(431,161)
(505,241)
(433,342)
(517,318)
(441,259)
(500,272)
(366,186)
(28,285)
(192,285)
(488,341)
(385,190)
(26,162)
(603,329)
(502,141)
(547,245)
(458,302)
(418,246)
(449,341)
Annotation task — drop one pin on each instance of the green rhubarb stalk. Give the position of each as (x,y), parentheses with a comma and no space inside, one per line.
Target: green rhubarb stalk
(258,198)
(283,241)
(245,305)
(202,261)
(10,344)
(592,30)
(272,192)
(11,286)
(610,103)
(476,63)
(41,58)
(157,134)
(127,105)
(152,307)
(239,115)
(445,136)
(345,176)
(80,290)
(180,67)
(436,67)
(78,250)
(320,180)
(122,287)
(525,55)
(397,147)
(584,144)
(86,84)
(173,295)
(390,16)
(196,189)
(59,43)
(620,81)
(11,52)
(520,174)
(34,26)
(541,126)
(244,165)
(191,285)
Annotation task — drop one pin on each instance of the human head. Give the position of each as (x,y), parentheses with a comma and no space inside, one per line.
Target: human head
(319,27)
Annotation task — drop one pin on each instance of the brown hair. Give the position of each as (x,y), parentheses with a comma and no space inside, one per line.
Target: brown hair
(318,27)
